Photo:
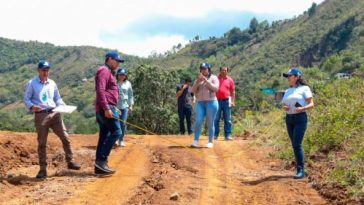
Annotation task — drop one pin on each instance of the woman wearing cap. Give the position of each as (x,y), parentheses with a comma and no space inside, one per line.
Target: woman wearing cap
(296,100)
(126,101)
(205,88)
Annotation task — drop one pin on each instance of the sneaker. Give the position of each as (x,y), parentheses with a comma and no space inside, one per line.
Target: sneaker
(194,143)
(41,174)
(73,165)
(210,145)
(228,138)
(110,169)
(122,144)
(103,168)
(101,172)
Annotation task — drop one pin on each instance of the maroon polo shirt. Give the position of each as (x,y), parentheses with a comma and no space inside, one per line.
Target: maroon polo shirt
(106,89)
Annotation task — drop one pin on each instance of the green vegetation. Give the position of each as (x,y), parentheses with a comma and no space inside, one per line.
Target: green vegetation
(335,132)
(156,105)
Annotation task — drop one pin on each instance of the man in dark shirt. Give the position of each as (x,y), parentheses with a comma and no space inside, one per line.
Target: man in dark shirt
(107,115)
(185,99)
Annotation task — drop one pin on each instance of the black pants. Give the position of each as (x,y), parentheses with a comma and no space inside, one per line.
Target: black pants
(185,112)
(296,127)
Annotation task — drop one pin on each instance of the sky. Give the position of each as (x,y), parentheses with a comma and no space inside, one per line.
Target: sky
(135,27)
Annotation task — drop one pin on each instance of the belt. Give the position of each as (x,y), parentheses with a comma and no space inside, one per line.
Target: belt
(46,111)
(223,99)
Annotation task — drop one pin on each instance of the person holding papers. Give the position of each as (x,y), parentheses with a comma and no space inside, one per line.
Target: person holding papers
(41,97)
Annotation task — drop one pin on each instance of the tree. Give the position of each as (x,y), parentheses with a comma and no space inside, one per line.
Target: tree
(233,36)
(155,100)
(253,26)
(312,10)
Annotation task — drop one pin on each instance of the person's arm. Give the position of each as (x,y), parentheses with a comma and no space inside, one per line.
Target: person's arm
(195,86)
(28,95)
(232,91)
(212,85)
(57,97)
(28,98)
(309,105)
(180,91)
(307,95)
(285,106)
(130,98)
(232,98)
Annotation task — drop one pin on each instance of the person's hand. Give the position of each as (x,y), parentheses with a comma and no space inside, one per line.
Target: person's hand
(201,77)
(108,114)
(184,86)
(36,108)
(300,109)
(285,107)
(130,109)
(232,104)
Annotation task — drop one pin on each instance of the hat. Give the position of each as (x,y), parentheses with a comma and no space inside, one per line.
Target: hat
(205,65)
(43,64)
(293,71)
(114,55)
(121,71)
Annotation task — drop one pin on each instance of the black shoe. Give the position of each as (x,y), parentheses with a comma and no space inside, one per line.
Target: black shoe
(101,172)
(300,173)
(107,167)
(41,174)
(73,165)
(102,168)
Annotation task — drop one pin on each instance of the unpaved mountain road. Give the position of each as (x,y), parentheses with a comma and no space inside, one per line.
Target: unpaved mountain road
(149,170)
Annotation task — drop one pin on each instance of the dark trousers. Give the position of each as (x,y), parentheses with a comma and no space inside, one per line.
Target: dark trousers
(109,132)
(296,127)
(185,112)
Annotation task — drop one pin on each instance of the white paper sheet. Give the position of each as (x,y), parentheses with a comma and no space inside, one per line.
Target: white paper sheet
(65,108)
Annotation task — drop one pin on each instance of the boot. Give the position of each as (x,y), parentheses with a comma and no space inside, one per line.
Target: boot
(42,174)
(73,165)
(300,173)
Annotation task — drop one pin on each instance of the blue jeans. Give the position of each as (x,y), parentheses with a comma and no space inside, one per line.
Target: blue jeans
(296,127)
(123,117)
(110,131)
(185,111)
(208,109)
(226,111)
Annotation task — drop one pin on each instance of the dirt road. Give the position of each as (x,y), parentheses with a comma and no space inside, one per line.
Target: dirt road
(150,170)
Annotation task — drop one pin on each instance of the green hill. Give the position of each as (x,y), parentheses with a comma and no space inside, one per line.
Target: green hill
(327,36)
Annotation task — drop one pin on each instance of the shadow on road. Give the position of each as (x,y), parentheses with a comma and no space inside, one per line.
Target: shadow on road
(266,179)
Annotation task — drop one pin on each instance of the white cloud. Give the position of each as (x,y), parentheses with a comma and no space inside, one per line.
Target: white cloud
(81,22)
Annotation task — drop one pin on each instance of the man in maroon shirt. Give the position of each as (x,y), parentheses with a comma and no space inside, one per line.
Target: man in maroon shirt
(107,115)
(226,98)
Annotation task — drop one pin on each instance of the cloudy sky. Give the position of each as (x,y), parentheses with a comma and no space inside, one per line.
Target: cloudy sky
(135,27)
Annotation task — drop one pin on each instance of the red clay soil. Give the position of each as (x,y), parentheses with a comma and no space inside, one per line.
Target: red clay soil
(150,170)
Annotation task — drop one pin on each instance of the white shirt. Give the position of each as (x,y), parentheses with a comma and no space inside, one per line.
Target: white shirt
(126,97)
(296,95)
